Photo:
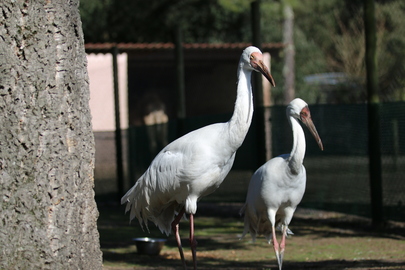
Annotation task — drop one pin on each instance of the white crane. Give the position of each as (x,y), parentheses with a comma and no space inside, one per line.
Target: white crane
(195,164)
(277,187)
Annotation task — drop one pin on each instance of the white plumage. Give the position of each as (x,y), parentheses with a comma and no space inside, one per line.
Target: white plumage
(195,164)
(185,170)
(277,187)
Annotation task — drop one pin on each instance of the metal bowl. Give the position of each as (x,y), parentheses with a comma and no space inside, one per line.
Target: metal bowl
(149,246)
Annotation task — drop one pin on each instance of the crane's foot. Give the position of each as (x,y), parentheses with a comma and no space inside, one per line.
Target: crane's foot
(282,247)
(280,256)
(276,247)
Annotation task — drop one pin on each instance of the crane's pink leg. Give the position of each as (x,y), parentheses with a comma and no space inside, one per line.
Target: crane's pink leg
(283,244)
(193,242)
(175,227)
(276,247)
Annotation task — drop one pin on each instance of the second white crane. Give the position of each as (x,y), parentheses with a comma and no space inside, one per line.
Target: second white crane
(277,187)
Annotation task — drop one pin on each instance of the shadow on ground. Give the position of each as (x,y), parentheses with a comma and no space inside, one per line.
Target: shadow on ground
(219,226)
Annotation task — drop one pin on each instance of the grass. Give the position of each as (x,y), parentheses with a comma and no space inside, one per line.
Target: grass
(322,240)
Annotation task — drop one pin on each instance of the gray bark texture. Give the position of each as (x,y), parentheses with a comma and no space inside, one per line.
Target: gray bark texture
(48,212)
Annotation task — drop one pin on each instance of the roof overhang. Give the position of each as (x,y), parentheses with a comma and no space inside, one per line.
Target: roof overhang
(153,47)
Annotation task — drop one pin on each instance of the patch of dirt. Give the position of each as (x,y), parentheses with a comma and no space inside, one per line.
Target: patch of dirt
(322,240)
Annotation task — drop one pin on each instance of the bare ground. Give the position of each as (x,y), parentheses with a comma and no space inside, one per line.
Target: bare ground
(322,240)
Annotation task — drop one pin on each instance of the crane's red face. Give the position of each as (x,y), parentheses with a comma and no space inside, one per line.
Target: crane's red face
(305,116)
(256,61)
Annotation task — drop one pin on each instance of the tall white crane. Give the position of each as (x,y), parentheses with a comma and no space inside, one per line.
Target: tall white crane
(195,164)
(277,187)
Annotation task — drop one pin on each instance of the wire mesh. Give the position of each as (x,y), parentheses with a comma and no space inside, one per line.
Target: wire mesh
(337,178)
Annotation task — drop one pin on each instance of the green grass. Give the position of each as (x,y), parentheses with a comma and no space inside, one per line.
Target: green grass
(321,241)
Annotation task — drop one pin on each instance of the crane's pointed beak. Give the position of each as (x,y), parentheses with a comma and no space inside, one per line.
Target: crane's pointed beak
(307,120)
(261,67)
(256,61)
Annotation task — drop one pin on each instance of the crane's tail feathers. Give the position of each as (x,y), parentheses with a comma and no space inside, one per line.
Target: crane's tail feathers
(137,205)
(246,228)
(144,206)
(165,217)
(250,223)
(126,198)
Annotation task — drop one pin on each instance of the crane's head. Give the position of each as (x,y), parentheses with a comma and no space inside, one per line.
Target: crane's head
(299,110)
(252,58)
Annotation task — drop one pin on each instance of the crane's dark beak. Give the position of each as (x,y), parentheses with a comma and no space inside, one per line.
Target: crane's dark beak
(257,63)
(307,120)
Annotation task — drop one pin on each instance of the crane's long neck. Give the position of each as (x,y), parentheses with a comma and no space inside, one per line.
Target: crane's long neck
(241,119)
(298,151)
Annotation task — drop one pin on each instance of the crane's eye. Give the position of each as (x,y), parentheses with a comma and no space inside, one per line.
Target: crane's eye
(252,57)
(304,114)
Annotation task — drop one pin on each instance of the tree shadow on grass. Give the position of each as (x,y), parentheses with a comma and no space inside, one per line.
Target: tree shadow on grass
(217,229)
(344,264)
(346,226)
(116,231)
(123,238)
(168,262)
(311,221)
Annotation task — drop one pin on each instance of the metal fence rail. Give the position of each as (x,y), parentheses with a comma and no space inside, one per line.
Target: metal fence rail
(338,177)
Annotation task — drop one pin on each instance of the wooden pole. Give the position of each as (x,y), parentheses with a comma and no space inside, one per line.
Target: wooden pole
(181,94)
(118,135)
(267,103)
(256,41)
(289,59)
(259,117)
(373,115)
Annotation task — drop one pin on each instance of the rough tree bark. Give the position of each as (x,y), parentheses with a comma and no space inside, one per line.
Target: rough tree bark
(48,213)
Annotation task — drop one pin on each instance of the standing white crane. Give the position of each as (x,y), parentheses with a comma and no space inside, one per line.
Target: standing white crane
(195,164)
(277,187)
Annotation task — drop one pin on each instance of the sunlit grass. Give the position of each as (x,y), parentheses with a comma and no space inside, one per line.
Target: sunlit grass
(219,244)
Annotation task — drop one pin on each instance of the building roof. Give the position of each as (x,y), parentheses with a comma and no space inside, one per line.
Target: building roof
(128,47)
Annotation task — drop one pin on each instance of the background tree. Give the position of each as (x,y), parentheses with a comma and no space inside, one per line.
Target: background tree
(48,213)
(328,35)
(337,31)
(154,20)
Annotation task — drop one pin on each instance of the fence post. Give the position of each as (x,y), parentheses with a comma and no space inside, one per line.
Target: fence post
(180,89)
(259,118)
(395,139)
(373,115)
(289,51)
(118,134)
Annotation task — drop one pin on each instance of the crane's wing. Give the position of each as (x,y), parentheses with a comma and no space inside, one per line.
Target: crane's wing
(157,193)
(188,166)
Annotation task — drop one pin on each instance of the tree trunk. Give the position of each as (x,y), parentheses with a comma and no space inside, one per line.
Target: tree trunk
(289,59)
(48,213)
(373,106)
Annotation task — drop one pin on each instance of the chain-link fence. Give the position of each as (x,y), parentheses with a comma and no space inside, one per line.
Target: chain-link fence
(337,178)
